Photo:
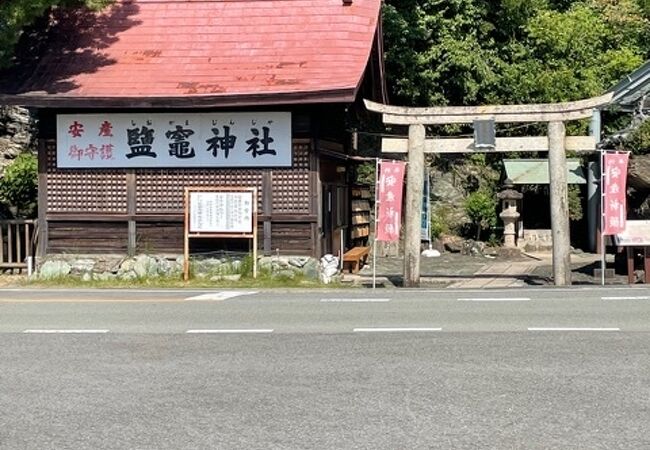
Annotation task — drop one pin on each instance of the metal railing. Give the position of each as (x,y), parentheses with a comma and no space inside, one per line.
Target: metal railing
(17,243)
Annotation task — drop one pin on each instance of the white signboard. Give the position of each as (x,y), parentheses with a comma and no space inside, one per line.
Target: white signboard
(251,139)
(637,233)
(221,212)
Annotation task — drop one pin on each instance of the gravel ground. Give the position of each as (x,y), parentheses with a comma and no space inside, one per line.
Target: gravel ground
(10,280)
(581,274)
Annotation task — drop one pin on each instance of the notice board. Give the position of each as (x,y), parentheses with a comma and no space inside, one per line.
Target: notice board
(220,212)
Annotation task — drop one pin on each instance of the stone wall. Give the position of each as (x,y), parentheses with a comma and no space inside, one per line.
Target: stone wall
(17,133)
(116,267)
(536,240)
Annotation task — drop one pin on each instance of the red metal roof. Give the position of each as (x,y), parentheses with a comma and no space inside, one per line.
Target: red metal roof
(203,51)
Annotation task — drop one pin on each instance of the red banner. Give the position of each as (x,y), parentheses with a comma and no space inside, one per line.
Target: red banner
(614,192)
(389,196)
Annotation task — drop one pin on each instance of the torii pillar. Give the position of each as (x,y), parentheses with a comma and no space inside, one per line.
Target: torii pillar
(554,114)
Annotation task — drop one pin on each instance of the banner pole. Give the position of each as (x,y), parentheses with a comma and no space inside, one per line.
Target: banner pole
(186,238)
(374,240)
(603,252)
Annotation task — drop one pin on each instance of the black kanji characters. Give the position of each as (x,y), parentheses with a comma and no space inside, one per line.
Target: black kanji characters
(225,142)
(140,141)
(265,141)
(180,147)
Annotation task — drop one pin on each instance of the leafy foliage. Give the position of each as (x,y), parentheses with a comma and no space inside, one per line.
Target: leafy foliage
(19,184)
(463,52)
(639,139)
(575,202)
(366,173)
(481,209)
(16,15)
(439,222)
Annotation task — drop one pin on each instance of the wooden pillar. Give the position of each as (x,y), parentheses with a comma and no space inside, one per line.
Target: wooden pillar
(629,259)
(42,238)
(413,212)
(559,204)
(316,189)
(132,245)
(267,209)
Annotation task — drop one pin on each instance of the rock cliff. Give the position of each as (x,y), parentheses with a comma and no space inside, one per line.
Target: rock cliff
(17,133)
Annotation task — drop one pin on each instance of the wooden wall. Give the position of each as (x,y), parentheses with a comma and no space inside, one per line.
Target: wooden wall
(141,210)
(87,237)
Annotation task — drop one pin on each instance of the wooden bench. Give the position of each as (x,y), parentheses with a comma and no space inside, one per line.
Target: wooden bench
(355,258)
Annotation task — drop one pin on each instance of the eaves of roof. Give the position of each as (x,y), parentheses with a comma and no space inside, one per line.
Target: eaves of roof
(631,89)
(181,102)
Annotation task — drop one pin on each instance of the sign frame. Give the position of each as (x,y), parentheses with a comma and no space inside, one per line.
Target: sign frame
(201,139)
(636,234)
(188,234)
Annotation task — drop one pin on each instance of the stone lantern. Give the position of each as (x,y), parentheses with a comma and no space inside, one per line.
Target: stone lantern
(509,198)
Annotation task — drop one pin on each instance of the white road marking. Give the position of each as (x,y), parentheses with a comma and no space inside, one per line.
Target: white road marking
(231,331)
(66,331)
(573,329)
(220,296)
(354,300)
(502,299)
(478,291)
(641,297)
(393,330)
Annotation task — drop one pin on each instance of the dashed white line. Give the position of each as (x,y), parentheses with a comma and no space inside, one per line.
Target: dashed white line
(572,329)
(354,300)
(502,299)
(394,330)
(640,297)
(45,331)
(220,296)
(231,331)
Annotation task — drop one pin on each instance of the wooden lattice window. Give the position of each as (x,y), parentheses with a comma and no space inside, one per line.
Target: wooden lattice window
(291,186)
(84,190)
(161,191)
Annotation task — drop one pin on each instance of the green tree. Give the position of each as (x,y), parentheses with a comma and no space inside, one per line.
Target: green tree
(439,51)
(481,207)
(576,53)
(464,52)
(19,185)
(17,15)
(638,140)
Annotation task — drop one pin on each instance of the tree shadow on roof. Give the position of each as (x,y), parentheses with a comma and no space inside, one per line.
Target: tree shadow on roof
(66,43)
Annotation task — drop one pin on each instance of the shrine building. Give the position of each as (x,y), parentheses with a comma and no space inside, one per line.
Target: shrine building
(145,98)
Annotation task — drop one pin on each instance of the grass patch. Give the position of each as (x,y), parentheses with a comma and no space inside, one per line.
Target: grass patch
(69,282)
(263,281)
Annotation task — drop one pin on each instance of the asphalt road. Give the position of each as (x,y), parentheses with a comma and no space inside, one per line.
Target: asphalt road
(529,369)
(324,311)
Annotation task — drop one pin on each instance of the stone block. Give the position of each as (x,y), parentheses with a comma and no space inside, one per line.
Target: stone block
(609,274)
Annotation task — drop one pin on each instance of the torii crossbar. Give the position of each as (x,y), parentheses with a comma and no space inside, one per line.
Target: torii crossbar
(555,114)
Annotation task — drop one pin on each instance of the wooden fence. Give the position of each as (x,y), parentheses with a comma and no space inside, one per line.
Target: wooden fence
(17,243)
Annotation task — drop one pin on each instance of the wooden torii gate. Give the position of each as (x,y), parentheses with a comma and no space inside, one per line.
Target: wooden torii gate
(556,143)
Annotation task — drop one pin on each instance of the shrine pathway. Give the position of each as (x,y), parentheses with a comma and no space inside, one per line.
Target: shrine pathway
(470,272)
(499,275)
